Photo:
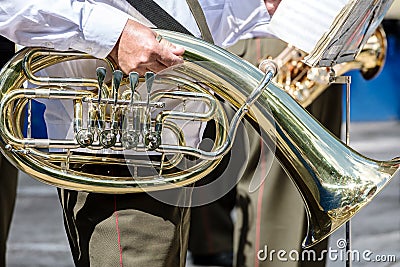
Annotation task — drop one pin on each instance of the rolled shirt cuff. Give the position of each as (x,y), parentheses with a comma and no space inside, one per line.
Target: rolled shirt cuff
(101,29)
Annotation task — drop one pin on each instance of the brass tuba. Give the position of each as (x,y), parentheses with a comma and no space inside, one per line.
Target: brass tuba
(305,83)
(334,181)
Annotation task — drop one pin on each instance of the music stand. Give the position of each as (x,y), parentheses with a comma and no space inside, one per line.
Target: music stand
(334,37)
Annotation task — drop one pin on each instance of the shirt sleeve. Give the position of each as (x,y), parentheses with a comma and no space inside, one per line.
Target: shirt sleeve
(86,26)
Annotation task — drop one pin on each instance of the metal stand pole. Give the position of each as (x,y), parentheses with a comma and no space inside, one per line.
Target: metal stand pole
(347,81)
(348,224)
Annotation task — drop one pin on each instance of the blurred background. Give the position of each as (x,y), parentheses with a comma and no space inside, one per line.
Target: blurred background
(379,99)
(37,236)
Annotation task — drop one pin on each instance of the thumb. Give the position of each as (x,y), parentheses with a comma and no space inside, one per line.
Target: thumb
(175,49)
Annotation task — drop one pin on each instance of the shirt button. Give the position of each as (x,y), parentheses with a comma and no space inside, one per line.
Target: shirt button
(89,50)
(49,44)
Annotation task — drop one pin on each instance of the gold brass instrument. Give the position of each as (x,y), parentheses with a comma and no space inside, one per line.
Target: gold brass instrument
(305,84)
(334,180)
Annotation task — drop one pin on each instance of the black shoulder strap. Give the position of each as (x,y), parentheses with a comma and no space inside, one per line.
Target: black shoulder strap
(160,18)
(201,21)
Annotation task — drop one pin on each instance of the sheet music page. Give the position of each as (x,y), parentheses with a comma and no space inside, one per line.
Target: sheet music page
(394,11)
(331,32)
(302,22)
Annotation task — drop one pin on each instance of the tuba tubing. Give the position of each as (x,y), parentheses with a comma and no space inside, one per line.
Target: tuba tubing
(334,180)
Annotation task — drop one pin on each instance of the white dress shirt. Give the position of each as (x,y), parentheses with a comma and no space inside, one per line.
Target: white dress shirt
(95,26)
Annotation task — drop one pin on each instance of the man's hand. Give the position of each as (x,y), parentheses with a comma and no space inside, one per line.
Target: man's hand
(272,5)
(138,50)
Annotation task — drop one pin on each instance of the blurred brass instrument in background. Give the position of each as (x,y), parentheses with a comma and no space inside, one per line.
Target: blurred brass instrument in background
(305,83)
(334,181)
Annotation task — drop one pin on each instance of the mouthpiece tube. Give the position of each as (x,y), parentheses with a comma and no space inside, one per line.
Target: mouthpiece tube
(268,65)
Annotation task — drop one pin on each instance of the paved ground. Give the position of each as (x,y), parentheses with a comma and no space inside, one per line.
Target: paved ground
(37,237)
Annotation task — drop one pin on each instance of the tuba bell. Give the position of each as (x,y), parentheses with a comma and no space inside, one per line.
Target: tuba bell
(305,83)
(334,181)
